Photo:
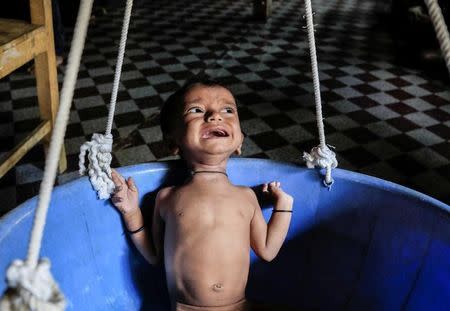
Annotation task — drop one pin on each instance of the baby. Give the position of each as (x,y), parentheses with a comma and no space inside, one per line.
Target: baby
(204,228)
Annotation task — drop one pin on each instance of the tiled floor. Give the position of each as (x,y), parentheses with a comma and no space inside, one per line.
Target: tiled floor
(384,119)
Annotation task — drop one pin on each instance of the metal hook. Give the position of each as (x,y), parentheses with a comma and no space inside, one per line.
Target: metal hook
(305,26)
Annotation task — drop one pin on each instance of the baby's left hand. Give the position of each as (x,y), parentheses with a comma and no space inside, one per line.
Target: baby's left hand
(125,197)
(277,194)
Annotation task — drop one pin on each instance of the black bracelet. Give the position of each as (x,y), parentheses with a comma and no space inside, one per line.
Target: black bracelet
(281,211)
(137,230)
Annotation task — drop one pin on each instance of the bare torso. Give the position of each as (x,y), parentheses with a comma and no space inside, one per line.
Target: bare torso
(207,225)
(207,242)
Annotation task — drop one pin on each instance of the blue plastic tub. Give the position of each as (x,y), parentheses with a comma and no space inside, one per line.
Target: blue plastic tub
(367,244)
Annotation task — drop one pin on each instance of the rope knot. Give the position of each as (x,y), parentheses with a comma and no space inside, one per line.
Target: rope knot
(324,158)
(31,288)
(99,168)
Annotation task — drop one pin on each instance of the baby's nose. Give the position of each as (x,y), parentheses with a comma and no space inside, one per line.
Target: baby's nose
(214,116)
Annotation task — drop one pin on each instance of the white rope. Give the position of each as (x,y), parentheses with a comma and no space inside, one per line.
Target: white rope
(321,155)
(99,169)
(59,129)
(100,147)
(29,280)
(441,29)
(34,288)
(120,56)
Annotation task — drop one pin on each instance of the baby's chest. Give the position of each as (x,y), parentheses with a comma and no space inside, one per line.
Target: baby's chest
(210,210)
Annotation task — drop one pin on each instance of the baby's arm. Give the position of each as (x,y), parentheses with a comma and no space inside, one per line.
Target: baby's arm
(266,239)
(158,222)
(125,199)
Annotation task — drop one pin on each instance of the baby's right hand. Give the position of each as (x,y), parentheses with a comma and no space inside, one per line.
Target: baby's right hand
(278,196)
(125,196)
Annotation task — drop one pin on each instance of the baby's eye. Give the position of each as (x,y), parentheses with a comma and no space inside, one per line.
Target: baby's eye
(195,110)
(228,110)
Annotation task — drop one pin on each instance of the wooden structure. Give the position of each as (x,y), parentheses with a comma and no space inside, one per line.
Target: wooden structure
(262,9)
(21,42)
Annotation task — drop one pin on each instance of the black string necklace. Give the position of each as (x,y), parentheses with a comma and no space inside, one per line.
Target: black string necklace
(218,172)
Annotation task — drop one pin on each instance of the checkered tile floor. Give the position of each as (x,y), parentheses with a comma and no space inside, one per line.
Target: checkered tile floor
(385,120)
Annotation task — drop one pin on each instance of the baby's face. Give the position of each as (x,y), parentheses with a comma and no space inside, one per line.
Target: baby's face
(210,123)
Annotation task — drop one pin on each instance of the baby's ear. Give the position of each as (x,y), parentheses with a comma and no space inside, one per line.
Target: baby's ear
(238,151)
(171,145)
(175,150)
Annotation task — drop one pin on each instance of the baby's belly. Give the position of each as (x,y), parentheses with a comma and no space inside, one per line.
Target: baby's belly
(208,271)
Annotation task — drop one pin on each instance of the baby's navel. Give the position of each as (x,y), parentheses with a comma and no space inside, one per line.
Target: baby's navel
(217,287)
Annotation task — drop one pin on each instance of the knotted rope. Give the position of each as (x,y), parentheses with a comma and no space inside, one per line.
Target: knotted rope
(100,147)
(99,168)
(31,286)
(441,29)
(34,288)
(321,155)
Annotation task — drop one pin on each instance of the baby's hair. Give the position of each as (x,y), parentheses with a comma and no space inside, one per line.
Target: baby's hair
(171,108)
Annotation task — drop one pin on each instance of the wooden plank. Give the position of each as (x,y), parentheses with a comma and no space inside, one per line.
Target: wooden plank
(46,72)
(20,51)
(262,9)
(23,42)
(41,13)
(13,32)
(21,149)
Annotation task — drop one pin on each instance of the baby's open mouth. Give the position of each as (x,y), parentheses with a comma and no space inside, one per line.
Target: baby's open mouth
(217,132)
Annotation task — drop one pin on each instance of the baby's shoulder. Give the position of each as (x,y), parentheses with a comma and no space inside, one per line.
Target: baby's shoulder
(246,191)
(163,200)
(165,193)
